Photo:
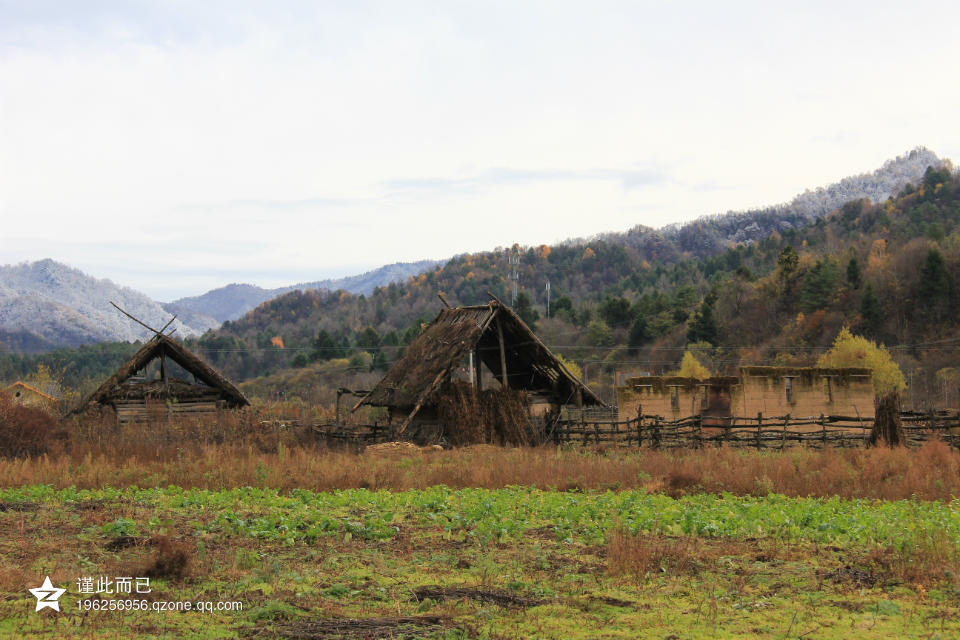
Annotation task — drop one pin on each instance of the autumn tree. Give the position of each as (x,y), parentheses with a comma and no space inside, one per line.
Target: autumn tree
(849,350)
(690,367)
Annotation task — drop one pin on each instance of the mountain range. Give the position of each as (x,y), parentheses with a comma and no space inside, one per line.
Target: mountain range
(234,300)
(45,304)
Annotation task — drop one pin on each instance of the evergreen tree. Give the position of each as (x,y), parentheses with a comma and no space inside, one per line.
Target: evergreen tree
(934,290)
(787,262)
(703,327)
(615,311)
(854,275)
(639,334)
(870,312)
(563,303)
(820,285)
(324,347)
(524,308)
(368,339)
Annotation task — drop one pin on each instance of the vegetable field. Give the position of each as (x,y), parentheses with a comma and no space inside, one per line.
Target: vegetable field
(482,563)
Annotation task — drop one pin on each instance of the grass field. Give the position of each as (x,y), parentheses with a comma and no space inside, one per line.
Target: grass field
(508,562)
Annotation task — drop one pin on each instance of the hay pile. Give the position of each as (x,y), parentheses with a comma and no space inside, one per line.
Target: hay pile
(398,448)
(495,416)
(887,428)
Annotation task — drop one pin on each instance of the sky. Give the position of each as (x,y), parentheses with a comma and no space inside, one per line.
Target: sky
(178,146)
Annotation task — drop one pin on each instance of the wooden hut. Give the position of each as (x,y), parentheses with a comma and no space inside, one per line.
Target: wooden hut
(28,395)
(508,362)
(133,395)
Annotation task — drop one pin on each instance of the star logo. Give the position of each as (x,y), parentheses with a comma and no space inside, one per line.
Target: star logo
(47,595)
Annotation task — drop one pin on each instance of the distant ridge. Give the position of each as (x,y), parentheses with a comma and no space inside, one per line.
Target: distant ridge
(234,300)
(47,304)
(711,234)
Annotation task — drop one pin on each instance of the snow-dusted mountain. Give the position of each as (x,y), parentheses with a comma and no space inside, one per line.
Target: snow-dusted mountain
(711,234)
(46,304)
(234,300)
(63,306)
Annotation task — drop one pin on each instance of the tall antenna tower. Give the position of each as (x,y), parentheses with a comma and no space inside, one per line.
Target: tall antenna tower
(548,298)
(514,259)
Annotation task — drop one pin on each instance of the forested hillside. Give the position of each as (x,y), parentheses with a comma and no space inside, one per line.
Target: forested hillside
(634,302)
(891,270)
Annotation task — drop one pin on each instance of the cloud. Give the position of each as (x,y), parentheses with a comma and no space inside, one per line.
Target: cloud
(505,176)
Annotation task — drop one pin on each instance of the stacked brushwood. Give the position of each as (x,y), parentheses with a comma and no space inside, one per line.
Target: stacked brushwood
(494,416)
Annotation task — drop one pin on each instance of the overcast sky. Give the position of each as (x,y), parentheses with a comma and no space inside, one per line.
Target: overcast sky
(178,146)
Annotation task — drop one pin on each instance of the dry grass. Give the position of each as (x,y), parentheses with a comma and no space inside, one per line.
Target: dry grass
(648,553)
(171,559)
(239,452)
(933,559)
(930,561)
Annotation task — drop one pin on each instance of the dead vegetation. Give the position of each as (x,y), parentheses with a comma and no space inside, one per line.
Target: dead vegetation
(171,559)
(931,562)
(349,628)
(493,416)
(236,449)
(25,430)
(499,597)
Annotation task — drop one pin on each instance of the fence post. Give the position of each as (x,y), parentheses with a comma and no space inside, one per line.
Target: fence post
(656,432)
(823,424)
(783,437)
(759,427)
(639,428)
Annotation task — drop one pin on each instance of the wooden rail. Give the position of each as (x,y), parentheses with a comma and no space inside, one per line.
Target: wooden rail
(760,432)
(353,433)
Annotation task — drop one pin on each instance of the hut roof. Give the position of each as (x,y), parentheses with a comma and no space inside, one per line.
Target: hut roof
(26,387)
(162,345)
(453,334)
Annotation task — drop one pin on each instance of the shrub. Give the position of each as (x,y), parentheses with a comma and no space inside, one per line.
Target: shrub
(24,431)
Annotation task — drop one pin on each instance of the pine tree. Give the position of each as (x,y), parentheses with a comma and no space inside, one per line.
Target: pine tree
(870,312)
(703,327)
(934,288)
(524,308)
(854,275)
(639,334)
(324,347)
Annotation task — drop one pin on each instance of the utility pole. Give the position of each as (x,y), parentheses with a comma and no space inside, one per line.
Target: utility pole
(514,260)
(548,298)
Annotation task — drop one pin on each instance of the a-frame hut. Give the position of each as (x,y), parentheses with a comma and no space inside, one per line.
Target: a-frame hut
(418,385)
(131,395)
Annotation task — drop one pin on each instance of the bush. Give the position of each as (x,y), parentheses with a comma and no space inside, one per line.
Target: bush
(24,431)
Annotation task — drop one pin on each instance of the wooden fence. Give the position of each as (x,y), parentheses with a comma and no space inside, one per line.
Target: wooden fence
(759,432)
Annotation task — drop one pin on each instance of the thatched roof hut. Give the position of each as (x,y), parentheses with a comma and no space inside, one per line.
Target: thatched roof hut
(129,394)
(499,340)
